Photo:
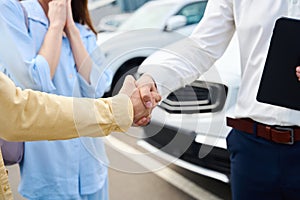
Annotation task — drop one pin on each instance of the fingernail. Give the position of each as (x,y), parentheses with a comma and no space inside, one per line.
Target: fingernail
(149,104)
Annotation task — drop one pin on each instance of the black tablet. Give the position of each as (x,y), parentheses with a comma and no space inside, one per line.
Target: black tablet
(279,84)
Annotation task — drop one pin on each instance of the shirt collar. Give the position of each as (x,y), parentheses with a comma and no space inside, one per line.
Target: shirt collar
(36,11)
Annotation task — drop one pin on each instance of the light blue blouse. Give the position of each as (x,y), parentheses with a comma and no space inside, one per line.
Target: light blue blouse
(57,169)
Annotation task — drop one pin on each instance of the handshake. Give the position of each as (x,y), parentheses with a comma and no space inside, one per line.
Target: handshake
(144,97)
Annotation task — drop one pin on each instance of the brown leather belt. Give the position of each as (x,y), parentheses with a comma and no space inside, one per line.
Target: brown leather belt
(278,134)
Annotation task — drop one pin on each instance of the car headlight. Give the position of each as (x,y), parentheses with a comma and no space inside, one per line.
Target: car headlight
(199,97)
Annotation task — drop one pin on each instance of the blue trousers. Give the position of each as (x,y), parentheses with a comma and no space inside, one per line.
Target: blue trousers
(263,170)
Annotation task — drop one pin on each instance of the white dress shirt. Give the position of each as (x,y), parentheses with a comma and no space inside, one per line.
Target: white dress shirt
(253,21)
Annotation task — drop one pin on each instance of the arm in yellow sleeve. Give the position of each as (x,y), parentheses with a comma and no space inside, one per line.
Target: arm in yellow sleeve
(28,115)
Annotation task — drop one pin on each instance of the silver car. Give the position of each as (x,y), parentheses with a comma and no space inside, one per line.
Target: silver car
(188,128)
(156,24)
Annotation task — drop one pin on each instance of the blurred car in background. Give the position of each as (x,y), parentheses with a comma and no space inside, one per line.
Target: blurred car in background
(154,25)
(107,15)
(99,9)
(110,23)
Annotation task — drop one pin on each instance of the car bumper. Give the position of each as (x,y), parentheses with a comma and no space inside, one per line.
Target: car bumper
(184,148)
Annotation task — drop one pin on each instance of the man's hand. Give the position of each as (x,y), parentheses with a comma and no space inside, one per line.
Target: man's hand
(148,91)
(141,113)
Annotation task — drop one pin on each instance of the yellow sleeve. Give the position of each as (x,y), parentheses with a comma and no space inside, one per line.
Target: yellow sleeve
(28,115)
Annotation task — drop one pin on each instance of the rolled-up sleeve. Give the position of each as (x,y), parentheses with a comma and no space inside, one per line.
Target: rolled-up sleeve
(40,72)
(100,77)
(100,81)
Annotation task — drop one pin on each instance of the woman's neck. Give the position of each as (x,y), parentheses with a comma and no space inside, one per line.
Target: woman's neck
(44,4)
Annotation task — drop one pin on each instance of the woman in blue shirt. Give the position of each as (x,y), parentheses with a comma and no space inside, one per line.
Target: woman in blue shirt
(56,49)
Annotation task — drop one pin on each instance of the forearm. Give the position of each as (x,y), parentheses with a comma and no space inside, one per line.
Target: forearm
(81,56)
(182,62)
(28,115)
(51,47)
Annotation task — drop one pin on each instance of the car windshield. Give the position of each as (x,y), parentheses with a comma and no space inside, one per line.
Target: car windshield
(148,16)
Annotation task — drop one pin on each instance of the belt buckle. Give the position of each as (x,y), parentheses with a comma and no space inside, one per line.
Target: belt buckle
(291,130)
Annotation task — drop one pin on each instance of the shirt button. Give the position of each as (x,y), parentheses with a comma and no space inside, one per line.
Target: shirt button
(70,75)
(6,188)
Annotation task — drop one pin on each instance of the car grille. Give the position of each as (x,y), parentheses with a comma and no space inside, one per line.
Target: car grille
(199,97)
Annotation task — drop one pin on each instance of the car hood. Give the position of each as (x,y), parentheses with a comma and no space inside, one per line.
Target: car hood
(138,40)
(104,36)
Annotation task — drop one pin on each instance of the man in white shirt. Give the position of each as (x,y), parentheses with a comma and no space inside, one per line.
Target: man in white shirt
(264,159)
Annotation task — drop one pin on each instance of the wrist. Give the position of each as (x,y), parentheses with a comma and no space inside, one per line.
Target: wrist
(149,78)
(58,29)
(72,31)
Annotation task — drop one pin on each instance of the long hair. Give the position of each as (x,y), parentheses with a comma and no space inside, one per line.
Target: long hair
(81,14)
